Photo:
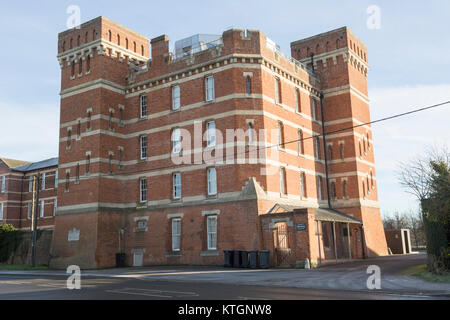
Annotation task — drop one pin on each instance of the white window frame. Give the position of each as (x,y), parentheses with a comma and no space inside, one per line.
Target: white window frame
(302,184)
(30,184)
(212,181)
(56,179)
(143,142)
(300,141)
(176,235)
(283,190)
(55,206)
(29,210)
(316,147)
(313,109)
(211,232)
(3,184)
(1,211)
(176,182)
(211,136)
(176,98)
(143,189)
(319,188)
(277,90)
(44,177)
(176,140)
(209,87)
(143,106)
(42,209)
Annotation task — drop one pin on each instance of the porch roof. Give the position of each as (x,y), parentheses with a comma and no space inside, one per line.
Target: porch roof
(321,214)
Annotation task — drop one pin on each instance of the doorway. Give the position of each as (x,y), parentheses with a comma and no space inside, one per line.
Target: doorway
(138,259)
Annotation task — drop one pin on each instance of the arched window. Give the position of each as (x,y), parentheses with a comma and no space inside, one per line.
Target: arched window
(317,48)
(341,150)
(248,85)
(280,135)
(67,181)
(300,142)
(80,66)
(142,51)
(251,133)
(110,35)
(78,41)
(64,46)
(71,44)
(360,149)
(283,189)
(73,69)
(86,37)
(94,35)
(338,43)
(364,188)
(371,179)
(134,46)
(69,138)
(126,43)
(330,152)
(118,40)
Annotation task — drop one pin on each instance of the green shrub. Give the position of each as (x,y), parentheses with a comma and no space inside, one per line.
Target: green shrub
(10,239)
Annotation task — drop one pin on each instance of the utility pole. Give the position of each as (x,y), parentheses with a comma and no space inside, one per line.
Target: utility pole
(36,187)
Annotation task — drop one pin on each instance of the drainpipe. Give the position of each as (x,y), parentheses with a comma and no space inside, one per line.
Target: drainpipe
(325,150)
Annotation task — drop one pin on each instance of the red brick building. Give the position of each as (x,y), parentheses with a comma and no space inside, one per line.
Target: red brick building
(16,186)
(124,119)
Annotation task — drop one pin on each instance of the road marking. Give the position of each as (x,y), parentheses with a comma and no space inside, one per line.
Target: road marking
(154,293)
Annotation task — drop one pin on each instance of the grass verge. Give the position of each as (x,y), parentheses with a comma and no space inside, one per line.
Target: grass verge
(422,272)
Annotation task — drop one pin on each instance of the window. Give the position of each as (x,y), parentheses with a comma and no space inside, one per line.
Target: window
(316,147)
(363,188)
(143,190)
(176,98)
(42,212)
(118,40)
(211,225)
(69,138)
(56,179)
(67,181)
(300,144)
(176,140)
(1,211)
(134,46)
(248,85)
(30,184)
(80,67)
(341,150)
(251,133)
(176,234)
(44,176)
(281,236)
(143,106)
(371,179)
(144,147)
(29,210)
(77,173)
(55,207)
(177,186)
(126,43)
(79,129)
(303,185)
(344,187)
(210,134)
(111,120)
(212,181)
(280,135)
(330,152)
(209,84)
(360,149)
(333,190)
(72,73)
(88,164)
(3,184)
(313,109)
(110,170)
(277,91)
(142,225)
(89,120)
(298,100)
(283,181)
(319,188)
(120,156)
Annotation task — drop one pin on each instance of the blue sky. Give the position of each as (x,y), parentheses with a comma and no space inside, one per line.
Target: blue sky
(409,58)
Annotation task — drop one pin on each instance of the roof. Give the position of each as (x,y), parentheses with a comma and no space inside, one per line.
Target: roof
(53,162)
(320,214)
(11,163)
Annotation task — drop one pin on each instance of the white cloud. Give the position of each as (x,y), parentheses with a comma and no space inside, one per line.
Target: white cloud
(403,138)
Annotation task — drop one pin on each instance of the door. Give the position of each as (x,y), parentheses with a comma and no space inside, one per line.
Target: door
(344,243)
(406,239)
(281,244)
(138,259)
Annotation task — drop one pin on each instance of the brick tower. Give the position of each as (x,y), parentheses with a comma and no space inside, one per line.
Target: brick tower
(340,61)
(95,60)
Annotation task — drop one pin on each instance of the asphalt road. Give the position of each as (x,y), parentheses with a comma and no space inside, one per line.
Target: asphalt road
(102,288)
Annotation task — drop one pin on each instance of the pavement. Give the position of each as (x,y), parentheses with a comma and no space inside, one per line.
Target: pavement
(346,277)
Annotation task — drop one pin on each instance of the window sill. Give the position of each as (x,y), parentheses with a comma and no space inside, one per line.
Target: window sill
(212,196)
(174,254)
(210,101)
(143,118)
(140,230)
(88,73)
(209,253)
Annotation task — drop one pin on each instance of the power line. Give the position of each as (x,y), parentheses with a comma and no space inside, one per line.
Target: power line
(258,149)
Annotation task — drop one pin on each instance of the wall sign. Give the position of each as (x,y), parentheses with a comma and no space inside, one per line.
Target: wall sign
(300,226)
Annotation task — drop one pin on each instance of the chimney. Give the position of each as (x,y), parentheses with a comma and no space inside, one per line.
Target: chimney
(160,48)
